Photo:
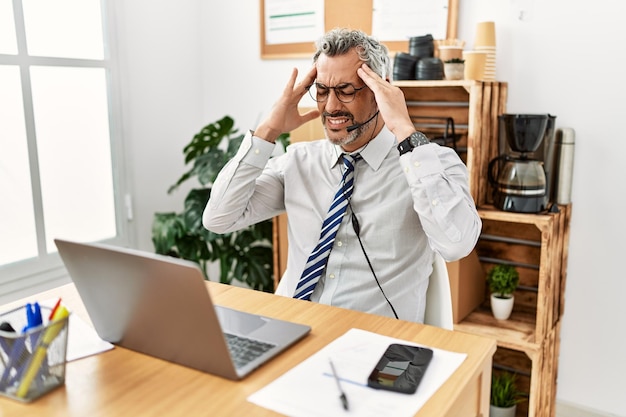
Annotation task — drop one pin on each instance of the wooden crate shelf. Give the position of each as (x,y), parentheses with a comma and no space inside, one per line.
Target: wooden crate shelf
(528,342)
(536,374)
(516,333)
(534,243)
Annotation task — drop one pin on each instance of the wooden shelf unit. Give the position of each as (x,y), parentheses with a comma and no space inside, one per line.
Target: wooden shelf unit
(528,342)
(535,244)
(536,374)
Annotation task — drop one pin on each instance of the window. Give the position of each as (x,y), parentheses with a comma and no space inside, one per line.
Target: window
(59,176)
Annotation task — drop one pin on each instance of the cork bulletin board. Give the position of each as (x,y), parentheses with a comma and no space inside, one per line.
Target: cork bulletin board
(354,14)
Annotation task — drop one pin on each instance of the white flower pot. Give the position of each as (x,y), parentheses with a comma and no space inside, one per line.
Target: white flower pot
(502,412)
(502,307)
(453,70)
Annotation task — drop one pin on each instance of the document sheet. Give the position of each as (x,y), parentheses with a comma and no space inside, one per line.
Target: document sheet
(309,389)
(83,341)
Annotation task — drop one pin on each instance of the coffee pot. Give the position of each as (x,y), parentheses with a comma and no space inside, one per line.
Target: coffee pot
(518,178)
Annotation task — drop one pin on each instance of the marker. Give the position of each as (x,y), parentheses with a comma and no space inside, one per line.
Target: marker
(33,317)
(54,309)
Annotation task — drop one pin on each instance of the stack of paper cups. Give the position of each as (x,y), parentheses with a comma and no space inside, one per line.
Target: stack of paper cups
(474,65)
(485,41)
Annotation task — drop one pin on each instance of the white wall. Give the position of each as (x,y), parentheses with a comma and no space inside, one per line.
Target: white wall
(162,76)
(190,62)
(559,61)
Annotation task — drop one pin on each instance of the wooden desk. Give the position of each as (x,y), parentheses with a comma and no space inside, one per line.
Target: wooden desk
(121,382)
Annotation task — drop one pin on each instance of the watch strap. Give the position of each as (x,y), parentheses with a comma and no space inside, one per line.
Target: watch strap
(413,141)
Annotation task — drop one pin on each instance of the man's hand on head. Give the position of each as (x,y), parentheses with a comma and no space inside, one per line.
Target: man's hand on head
(391,103)
(284,116)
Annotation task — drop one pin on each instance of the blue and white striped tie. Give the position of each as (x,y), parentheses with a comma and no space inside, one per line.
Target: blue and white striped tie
(319,257)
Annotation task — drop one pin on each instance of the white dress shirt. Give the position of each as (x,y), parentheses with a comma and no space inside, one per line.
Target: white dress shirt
(407,207)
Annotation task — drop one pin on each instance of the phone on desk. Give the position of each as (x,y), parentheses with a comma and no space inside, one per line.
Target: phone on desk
(401,368)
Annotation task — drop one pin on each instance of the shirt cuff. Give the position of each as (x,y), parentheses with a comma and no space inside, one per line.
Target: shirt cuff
(255,151)
(423,161)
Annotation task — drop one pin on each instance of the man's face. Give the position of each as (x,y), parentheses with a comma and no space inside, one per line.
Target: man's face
(339,71)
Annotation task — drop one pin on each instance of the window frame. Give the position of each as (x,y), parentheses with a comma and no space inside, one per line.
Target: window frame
(46,270)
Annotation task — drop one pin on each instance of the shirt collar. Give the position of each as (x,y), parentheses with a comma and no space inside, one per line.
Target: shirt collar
(374,153)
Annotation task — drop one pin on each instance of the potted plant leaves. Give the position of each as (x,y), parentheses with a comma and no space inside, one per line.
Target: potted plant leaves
(504,395)
(245,255)
(502,280)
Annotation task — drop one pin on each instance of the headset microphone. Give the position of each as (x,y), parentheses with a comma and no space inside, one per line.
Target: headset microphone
(358,125)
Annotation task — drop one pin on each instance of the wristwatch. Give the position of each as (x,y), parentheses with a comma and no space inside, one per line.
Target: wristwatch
(416,139)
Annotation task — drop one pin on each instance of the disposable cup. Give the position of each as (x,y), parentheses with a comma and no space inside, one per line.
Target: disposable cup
(485,34)
(474,64)
(447,53)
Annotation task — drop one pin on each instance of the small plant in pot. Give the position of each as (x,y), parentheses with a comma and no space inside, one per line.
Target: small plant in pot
(504,395)
(454,69)
(502,281)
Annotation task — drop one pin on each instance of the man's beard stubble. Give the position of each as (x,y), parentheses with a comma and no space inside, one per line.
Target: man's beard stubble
(349,138)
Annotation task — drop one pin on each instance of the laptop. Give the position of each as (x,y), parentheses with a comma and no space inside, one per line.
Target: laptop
(160,306)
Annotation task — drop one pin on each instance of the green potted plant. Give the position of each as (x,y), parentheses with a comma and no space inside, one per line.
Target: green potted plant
(502,281)
(245,255)
(454,68)
(504,395)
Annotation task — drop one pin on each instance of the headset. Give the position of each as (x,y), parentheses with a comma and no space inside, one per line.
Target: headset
(358,125)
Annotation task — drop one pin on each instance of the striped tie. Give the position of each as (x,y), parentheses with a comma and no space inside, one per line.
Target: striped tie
(319,257)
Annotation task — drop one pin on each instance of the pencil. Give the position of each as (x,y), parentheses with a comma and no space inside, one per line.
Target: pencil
(342,396)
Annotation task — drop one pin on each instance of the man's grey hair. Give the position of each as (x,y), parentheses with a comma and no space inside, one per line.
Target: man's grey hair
(370,50)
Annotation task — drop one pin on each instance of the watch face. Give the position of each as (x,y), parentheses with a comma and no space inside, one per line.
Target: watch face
(417,139)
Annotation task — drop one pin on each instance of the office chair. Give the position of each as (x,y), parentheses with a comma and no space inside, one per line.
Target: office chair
(438,297)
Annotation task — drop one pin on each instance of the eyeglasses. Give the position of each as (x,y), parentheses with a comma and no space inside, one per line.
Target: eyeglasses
(344,92)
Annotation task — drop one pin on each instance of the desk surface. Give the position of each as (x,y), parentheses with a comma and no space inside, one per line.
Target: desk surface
(121,382)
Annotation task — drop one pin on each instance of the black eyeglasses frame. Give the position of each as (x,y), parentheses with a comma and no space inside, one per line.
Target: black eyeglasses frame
(341,96)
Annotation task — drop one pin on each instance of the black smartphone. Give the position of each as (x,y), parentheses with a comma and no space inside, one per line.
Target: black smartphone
(401,368)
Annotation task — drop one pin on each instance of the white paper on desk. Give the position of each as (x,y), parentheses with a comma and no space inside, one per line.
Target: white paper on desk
(309,390)
(82,339)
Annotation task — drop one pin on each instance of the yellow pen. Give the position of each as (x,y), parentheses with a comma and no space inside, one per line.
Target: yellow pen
(38,357)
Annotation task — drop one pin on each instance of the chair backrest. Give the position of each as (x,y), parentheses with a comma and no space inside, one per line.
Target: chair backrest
(438,297)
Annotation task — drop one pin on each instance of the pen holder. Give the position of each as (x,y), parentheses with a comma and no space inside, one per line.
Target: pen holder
(32,361)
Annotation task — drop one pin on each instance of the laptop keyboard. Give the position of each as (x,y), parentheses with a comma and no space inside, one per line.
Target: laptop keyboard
(244,350)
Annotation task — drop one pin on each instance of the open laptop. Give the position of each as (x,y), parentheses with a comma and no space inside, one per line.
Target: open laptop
(160,306)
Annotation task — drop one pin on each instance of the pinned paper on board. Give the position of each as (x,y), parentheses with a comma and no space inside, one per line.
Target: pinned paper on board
(293,21)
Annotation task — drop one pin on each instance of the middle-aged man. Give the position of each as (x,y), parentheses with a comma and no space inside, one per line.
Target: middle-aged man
(369,205)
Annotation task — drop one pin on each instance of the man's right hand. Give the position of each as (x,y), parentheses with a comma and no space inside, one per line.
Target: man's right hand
(285,116)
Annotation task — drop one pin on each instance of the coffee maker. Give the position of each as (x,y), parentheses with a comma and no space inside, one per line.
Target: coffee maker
(522,175)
